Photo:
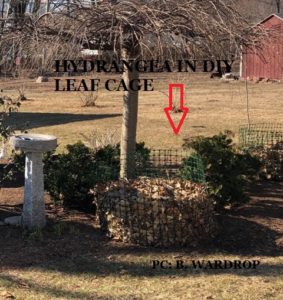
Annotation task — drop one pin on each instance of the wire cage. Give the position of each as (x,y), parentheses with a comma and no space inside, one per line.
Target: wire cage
(261,134)
(158,163)
(265,140)
(156,212)
(163,163)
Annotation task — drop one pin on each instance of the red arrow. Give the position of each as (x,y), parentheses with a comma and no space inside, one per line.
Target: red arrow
(184,109)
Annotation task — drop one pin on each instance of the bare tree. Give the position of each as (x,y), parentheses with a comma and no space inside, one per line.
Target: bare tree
(278,5)
(135,29)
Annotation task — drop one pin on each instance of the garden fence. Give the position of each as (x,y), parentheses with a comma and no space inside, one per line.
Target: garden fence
(266,141)
(159,163)
(262,134)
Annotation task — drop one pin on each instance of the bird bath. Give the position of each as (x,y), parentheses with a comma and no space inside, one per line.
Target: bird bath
(34,145)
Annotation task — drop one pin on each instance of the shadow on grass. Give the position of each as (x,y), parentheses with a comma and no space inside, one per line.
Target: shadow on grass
(76,248)
(9,281)
(38,119)
(103,266)
(13,281)
(75,245)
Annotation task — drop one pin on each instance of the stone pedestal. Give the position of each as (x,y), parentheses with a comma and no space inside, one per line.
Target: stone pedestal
(33,214)
(34,145)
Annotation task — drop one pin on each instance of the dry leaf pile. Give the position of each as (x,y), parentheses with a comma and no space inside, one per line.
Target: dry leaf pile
(156,212)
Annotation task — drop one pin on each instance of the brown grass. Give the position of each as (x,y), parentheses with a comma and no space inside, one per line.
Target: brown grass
(214,106)
(38,283)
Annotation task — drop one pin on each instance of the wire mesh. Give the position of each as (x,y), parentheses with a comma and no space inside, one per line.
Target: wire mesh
(163,163)
(158,163)
(265,140)
(261,134)
(156,212)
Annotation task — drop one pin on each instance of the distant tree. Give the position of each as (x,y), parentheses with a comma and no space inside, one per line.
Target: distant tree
(278,5)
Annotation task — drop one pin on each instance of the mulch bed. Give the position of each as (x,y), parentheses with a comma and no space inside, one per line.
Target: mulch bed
(254,229)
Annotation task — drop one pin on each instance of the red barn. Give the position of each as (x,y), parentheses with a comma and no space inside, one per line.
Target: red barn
(266,62)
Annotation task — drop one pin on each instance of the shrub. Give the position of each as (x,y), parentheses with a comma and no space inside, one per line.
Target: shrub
(7,107)
(192,168)
(89,99)
(226,169)
(142,157)
(13,173)
(69,177)
(108,161)
(98,139)
(22,93)
(271,159)
(272,162)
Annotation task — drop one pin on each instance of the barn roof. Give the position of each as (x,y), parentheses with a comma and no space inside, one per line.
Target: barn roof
(278,15)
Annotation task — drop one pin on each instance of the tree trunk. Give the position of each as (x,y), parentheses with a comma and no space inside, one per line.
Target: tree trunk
(129,124)
(278,4)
